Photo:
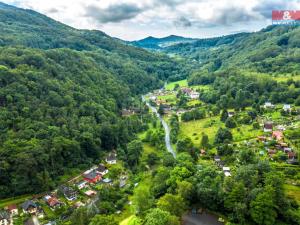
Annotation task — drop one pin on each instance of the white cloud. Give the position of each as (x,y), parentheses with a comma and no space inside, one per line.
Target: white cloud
(131,19)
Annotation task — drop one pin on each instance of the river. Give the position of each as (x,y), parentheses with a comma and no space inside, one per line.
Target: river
(165,125)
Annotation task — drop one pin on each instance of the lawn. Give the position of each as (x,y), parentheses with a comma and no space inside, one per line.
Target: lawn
(210,126)
(171,98)
(285,78)
(245,132)
(293,191)
(131,220)
(181,83)
(194,129)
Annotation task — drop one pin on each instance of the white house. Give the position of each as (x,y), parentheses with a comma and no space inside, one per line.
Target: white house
(194,95)
(101,169)
(287,107)
(111,158)
(80,185)
(268,105)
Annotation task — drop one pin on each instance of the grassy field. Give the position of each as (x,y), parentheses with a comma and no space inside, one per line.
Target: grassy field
(285,78)
(293,191)
(210,126)
(181,83)
(194,129)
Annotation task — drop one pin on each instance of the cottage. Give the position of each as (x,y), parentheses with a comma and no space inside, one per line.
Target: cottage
(287,107)
(69,193)
(287,149)
(82,184)
(280,127)
(278,135)
(111,158)
(202,152)
(268,105)
(90,193)
(101,169)
(226,169)
(52,201)
(291,155)
(194,95)
(217,158)
(186,90)
(92,177)
(13,210)
(5,219)
(107,181)
(29,207)
(268,127)
(227,174)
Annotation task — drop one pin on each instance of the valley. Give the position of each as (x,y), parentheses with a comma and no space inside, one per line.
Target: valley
(95,130)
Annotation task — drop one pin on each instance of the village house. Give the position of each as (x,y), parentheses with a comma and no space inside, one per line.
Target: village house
(52,201)
(278,135)
(202,152)
(226,171)
(13,210)
(287,108)
(92,177)
(268,105)
(268,126)
(29,207)
(81,184)
(186,90)
(90,193)
(107,181)
(69,193)
(5,218)
(111,158)
(194,95)
(101,169)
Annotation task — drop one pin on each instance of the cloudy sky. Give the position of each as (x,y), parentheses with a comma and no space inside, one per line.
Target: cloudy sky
(136,19)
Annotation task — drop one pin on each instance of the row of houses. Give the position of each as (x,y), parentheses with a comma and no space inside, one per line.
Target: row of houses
(269,105)
(33,207)
(280,145)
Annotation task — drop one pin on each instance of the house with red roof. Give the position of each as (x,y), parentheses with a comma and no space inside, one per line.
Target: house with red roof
(278,135)
(92,177)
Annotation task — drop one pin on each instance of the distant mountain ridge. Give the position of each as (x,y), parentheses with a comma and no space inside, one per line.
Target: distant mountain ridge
(154,43)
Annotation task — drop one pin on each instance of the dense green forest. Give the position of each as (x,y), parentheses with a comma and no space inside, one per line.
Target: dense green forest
(273,50)
(62,91)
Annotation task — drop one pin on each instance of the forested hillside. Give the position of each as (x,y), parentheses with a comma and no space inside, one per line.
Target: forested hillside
(273,50)
(61,94)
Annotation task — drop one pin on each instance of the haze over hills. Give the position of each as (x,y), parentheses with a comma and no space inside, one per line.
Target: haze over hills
(154,43)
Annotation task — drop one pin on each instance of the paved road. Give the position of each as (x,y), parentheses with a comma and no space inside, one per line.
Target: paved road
(165,125)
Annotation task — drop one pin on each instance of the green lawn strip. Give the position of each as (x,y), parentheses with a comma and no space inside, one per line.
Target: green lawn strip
(14,200)
(181,83)
(194,129)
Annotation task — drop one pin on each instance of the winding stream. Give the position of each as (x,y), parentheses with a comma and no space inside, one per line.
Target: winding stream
(165,125)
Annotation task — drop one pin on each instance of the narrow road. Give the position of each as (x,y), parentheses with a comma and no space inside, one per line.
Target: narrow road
(165,125)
